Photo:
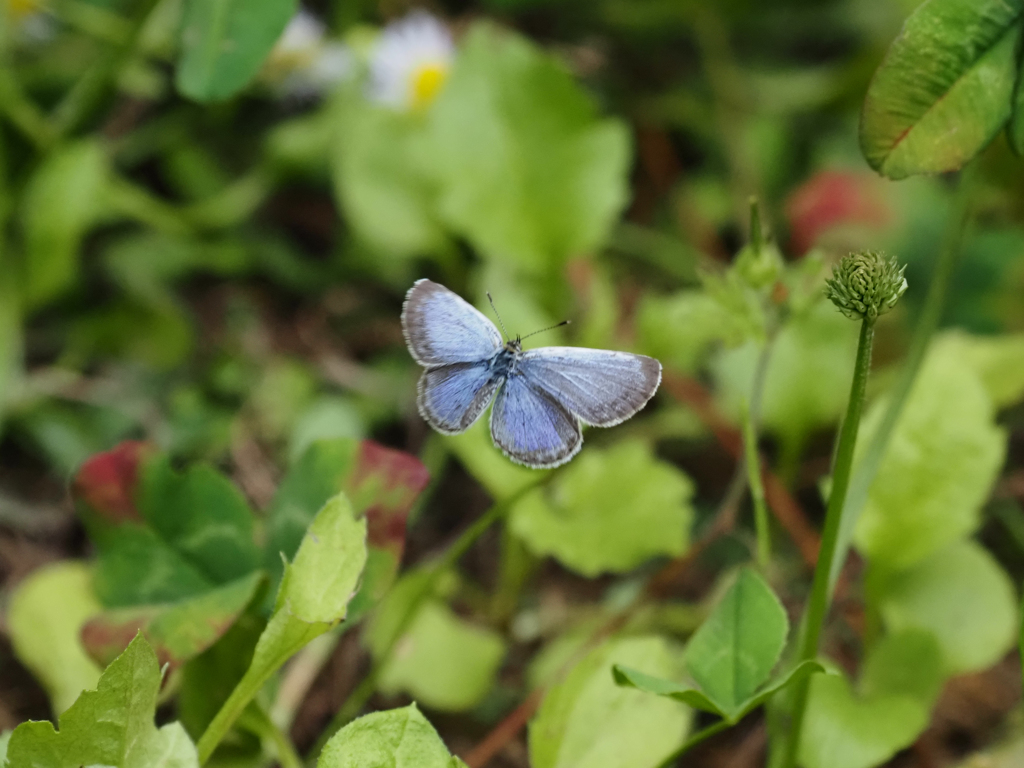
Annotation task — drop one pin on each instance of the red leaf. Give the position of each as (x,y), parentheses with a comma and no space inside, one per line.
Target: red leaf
(831,199)
(107,481)
(385,483)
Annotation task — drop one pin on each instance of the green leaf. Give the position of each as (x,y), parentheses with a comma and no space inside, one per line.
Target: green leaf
(942,459)
(998,360)
(960,595)
(202,516)
(380,482)
(176,631)
(736,648)
(944,89)
(11,346)
(484,461)
(526,171)
(45,614)
(396,738)
(382,180)
(844,729)
(62,201)
(611,510)
(679,330)
(443,661)
(313,597)
(111,726)
(588,721)
(224,43)
(694,697)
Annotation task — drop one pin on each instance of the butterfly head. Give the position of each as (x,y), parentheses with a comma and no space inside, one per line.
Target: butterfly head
(514,345)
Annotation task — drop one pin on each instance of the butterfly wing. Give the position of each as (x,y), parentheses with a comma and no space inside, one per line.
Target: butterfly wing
(599,386)
(452,397)
(531,427)
(441,328)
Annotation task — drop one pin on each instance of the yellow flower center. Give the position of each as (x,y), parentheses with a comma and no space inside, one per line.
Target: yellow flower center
(427,80)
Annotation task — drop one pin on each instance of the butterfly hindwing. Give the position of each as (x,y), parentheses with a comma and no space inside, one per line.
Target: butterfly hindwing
(452,397)
(441,328)
(531,427)
(602,387)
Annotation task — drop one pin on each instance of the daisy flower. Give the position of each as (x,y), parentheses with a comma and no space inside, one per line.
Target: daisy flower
(410,62)
(305,64)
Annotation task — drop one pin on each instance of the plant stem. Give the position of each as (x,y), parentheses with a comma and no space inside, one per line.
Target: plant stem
(256,720)
(702,735)
(753,464)
(362,692)
(818,602)
(90,88)
(927,324)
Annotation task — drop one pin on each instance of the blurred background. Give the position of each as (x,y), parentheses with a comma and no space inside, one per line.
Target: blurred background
(214,257)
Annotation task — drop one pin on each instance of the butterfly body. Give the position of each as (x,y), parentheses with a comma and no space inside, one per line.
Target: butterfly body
(541,396)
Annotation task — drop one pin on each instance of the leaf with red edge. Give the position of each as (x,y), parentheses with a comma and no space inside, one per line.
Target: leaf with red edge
(177,631)
(945,87)
(381,483)
(107,482)
(831,200)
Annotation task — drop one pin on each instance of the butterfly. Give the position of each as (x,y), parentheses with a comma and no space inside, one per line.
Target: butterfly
(540,395)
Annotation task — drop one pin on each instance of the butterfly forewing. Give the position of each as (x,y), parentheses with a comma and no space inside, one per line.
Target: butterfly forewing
(531,427)
(602,387)
(452,397)
(441,328)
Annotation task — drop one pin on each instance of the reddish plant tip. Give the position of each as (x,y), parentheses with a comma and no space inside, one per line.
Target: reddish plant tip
(385,483)
(833,199)
(106,482)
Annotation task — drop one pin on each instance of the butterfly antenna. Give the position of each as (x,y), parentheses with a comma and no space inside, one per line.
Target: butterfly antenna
(549,328)
(497,315)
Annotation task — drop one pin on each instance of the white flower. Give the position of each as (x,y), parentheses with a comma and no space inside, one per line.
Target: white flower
(303,63)
(411,61)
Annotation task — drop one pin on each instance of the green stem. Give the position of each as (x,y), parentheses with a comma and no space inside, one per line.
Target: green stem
(753,463)
(702,735)
(256,720)
(362,692)
(927,324)
(91,87)
(817,604)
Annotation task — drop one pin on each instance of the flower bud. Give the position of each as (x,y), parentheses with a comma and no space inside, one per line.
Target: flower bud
(865,285)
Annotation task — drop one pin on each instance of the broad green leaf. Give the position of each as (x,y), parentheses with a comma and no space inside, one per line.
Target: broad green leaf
(396,738)
(526,171)
(224,43)
(942,459)
(679,330)
(176,631)
(808,378)
(203,516)
(45,614)
(443,661)
(313,597)
(62,201)
(586,721)
(847,729)
(694,697)
(998,360)
(611,510)
(111,726)
(735,649)
(380,482)
(326,418)
(381,179)
(960,595)
(945,87)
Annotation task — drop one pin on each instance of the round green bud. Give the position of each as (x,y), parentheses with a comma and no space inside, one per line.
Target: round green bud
(865,285)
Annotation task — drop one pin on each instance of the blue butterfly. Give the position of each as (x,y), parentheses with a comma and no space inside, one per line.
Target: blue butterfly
(540,395)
